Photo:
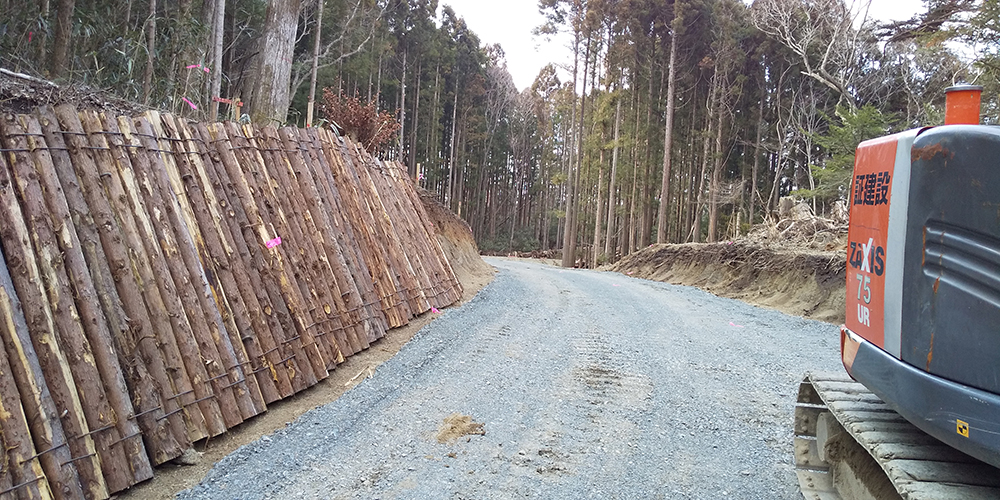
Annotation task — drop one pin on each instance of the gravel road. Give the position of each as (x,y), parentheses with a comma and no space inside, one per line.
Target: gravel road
(588,385)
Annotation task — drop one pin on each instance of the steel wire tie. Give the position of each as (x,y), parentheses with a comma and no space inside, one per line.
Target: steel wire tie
(210,396)
(78,458)
(106,427)
(130,436)
(36,455)
(22,485)
(151,410)
(175,396)
(166,415)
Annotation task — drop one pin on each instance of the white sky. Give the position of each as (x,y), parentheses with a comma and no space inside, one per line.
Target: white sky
(510,22)
(894,10)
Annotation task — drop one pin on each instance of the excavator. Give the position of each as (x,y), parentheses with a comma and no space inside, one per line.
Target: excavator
(917,413)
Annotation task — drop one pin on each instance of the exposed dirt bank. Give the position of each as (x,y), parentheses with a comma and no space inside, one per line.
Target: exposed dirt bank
(455,237)
(808,283)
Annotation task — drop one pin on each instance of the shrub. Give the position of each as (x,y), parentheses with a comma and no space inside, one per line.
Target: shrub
(363,123)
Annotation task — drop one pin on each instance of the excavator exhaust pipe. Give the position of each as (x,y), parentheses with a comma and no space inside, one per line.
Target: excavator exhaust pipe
(962,105)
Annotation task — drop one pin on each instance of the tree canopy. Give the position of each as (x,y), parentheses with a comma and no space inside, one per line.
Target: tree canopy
(675,120)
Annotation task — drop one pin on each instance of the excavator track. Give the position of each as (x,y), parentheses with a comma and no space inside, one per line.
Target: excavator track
(849,444)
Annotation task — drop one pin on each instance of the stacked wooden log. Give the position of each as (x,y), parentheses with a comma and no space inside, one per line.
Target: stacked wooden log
(162,282)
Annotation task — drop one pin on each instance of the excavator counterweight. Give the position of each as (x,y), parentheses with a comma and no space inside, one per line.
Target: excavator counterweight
(921,339)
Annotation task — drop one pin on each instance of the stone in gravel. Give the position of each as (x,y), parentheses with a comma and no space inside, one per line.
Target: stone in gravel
(189,457)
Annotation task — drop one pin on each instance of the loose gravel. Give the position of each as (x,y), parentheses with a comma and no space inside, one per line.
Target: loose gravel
(588,385)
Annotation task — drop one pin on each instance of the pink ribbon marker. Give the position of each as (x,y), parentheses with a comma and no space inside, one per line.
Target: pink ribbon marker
(189,103)
(273,243)
(629,273)
(193,66)
(734,324)
(435,310)
(615,285)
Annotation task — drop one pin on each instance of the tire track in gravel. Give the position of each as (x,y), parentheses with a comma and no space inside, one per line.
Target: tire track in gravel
(590,385)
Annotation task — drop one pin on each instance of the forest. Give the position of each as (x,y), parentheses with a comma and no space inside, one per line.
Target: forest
(674,121)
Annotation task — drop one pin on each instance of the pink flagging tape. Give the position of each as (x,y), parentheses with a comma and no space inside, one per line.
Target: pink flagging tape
(273,243)
(189,103)
(734,324)
(435,310)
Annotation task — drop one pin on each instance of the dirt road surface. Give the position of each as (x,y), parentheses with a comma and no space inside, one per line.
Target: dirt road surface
(557,383)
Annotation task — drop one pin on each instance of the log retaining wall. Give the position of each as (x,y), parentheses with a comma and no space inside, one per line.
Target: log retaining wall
(164,281)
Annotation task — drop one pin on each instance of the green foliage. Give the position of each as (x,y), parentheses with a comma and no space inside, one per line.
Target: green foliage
(833,176)
(523,240)
(983,30)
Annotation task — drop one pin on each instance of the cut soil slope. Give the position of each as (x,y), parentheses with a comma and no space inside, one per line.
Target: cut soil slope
(455,237)
(805,283)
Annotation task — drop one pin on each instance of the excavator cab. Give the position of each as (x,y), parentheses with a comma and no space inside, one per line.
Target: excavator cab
(922,332)
(923,280)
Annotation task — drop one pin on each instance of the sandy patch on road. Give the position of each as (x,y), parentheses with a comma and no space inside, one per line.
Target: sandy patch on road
(457,425)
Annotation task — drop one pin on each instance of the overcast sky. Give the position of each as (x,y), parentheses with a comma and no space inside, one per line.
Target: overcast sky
(510,22)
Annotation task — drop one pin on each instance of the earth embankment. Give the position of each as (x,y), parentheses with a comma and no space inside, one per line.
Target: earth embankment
(802,282)
(455,237)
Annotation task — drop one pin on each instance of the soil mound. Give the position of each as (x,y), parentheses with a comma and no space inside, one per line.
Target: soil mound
(455,237)
(797,264)
(803,282)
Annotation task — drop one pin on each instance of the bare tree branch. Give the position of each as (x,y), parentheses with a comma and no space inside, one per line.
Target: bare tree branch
(27,77)
(303,66)
(821,33)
